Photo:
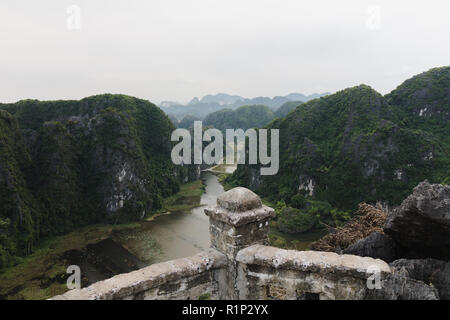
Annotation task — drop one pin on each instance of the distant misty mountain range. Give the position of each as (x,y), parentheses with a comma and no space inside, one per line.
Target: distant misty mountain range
(211,103)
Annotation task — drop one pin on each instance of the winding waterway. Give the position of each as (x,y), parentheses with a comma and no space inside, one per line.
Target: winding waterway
(178,234)
(167,237)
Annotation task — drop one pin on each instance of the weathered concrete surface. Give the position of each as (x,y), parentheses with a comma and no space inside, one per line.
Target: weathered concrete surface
(441,280)
(238,221)
(271,273)
(239,206)
(313,261)
(185,278)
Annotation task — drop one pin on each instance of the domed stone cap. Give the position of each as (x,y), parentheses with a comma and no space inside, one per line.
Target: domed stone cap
(239,200)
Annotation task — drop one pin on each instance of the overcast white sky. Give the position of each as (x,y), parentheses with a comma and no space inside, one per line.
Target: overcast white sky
(178,49)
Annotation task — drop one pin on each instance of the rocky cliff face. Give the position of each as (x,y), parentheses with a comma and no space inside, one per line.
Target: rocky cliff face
(69,163)
(425,95)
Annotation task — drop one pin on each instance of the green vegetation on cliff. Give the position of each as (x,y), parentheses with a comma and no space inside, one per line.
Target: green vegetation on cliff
(66,164)
(286,108)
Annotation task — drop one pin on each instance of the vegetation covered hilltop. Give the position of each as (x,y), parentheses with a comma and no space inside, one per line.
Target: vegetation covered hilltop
(356,146)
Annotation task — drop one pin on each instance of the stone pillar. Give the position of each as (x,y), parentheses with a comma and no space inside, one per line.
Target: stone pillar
(239,220)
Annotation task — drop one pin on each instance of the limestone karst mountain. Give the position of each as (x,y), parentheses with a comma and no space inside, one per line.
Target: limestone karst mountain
(65,164)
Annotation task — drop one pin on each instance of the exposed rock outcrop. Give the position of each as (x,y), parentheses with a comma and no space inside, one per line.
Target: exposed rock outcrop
(399,286)
(421,224)
(272,273)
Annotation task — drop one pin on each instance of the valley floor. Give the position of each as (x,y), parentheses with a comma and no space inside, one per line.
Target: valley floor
(42,274)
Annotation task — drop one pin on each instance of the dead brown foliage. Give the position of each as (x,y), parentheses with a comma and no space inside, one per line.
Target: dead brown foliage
(367,219)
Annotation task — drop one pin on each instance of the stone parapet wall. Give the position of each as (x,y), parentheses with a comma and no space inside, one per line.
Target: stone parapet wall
(265,272)
(185,278)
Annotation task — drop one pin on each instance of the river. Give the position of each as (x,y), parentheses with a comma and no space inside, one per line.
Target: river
(167,237)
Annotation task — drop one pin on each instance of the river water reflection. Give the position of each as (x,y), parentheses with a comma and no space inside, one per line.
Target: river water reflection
(178,234)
